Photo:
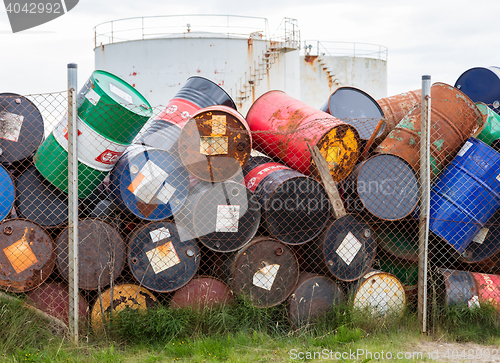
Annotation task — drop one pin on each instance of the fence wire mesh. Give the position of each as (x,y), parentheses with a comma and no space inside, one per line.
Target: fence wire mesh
(192,204)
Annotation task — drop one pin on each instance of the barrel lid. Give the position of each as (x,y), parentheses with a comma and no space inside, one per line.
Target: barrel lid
(481,84)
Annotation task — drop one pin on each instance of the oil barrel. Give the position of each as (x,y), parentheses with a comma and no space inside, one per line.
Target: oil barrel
(357,108)
(312,298)
(454,118)
(396,107)
(7,193)
(295,208)
(162,256)
(101,254)
(398,239)
(119,298)
(282,126)
(223,216)
(215,144)
(266,271)
(488,288)
(489,133)
(40,201)
(481,84)
(22,129)
(452,287)
(149,183)
(201,293)
(465,195)
(53,299)
(406,271)
(385,185)
(26,255)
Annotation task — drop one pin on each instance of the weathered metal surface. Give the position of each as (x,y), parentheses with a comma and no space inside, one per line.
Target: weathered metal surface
(313,297)
(215,144)
(488,288)
(282,126)
(201,293)
(465,195)
(121,297)
(481,85)
(454,118)
(101,254)
(223,216)
(489,133)
(266,271)
(7,193)
(295,208)
(162,256)
(346,250)
(21,130)
(53,299)
(26,255)
(399,239)
(455,287)
(384,185)
(396,107)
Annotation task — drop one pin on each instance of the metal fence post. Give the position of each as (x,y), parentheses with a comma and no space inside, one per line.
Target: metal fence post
(425,181)
(73,201)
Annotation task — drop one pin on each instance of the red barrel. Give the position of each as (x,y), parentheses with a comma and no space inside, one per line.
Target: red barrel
(488,288)
(201,293)
(282,126)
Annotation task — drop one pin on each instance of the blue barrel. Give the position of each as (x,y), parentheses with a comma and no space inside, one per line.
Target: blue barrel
(481,85)
(7,193)
(466,194)
(149,183)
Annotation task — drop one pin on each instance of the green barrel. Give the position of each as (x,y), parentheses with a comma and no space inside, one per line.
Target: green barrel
(398,239)
(490,132)
(405,271)
(112,107)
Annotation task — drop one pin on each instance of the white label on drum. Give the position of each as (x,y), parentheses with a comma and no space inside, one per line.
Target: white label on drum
(10,125)
(473,302)
(481,235)
(464,148)
(213,145)
(159,234)
(163,257)
(120,93)
(264,278)
(219,124)
(148,181)
(227,218)
(349,248)
(165,193)
(93,97)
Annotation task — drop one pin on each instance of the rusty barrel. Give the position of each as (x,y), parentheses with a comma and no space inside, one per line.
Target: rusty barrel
(282,126)
(398,239)
(346,250)
(22,129)
(481,84)
(101,254)
(202,292)
(215,144)
(223,216)
(488,288)
(162,256)
(454,118)
(357,108)
(265,271)
(295,208)
(53,299)
(149,183)
(26,255)
(453,287)
(119,298)
(384,185)
(396,107)
(312,298)
(378,293)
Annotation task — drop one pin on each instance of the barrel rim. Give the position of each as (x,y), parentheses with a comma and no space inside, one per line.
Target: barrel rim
(233,105)
(265,94)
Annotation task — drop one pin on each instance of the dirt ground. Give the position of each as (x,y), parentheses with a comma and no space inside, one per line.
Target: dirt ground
(458,352)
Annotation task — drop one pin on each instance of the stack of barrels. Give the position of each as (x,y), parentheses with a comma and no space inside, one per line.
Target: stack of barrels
(196,204)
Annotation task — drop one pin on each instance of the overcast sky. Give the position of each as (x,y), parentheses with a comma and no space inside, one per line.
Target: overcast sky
(437,37)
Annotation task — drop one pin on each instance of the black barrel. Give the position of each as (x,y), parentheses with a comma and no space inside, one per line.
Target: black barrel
(101,254)
(295,208)
(163,256)
(21,130)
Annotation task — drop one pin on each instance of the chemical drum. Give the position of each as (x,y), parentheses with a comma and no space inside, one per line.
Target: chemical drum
(488,288)
(312,298)
(101,254)
(223,216)
(26,255)
(283,126)
(295,208)
(406,271)
(396,107)
(266,271)
(481,84)
(7,193)
(22,129)
(465,195)
(489,133)
(162,256)
(398,239)
(452,287)
(201,293)
(149,183)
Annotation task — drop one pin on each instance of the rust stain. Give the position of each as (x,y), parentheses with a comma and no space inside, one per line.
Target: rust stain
(310,59)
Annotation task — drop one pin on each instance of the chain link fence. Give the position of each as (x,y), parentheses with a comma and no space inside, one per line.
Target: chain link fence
(192,204)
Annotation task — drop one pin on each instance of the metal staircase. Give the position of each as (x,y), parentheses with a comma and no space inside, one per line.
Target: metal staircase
(329,72)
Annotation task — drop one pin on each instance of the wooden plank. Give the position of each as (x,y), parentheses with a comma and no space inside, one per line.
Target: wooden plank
(330,186)
(372,139)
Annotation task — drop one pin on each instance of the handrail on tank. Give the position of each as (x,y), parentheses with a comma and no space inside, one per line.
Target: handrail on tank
(348,49)
(137,28)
